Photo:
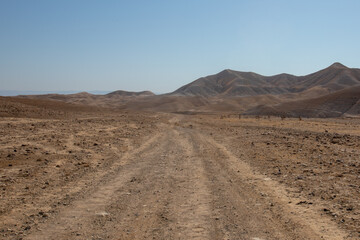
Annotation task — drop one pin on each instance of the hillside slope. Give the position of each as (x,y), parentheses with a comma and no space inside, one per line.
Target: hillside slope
(341,103)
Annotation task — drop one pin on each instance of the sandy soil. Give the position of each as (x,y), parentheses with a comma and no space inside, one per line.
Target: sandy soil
(164,176)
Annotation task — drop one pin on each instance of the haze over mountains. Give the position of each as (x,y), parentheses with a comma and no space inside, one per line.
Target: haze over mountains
(331,92)
(13,93)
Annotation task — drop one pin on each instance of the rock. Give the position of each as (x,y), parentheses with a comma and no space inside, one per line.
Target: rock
(303,202)
(349,208)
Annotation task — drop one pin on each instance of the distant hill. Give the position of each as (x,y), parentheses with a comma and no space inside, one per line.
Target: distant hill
(232,83)
(112,99)
(229,83)
(331,92)
(14,93)
(130,94)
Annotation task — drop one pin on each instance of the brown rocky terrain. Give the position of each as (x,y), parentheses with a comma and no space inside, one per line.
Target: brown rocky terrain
(42,108)
(77,172)
(345,102)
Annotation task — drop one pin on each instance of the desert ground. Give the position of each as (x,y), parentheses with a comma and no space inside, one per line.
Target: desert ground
(137,175)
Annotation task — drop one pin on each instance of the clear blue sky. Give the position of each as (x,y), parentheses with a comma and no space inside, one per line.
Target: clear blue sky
(162,45)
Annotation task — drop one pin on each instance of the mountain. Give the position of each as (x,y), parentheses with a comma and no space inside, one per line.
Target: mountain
(331,92)
(131,94)
(230,83)
(333,78)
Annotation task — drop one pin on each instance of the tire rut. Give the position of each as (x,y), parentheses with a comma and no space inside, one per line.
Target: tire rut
(74,219)
(191,201)
(170,199)
(250,205)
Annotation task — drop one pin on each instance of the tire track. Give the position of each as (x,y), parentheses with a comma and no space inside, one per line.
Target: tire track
(191,201)
(251,205)
(171,200)
(72,220)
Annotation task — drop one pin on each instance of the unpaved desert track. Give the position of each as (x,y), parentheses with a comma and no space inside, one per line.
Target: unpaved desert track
(116,179)
(182,184)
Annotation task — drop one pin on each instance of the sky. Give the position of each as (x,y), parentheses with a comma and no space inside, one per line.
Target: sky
(87,45)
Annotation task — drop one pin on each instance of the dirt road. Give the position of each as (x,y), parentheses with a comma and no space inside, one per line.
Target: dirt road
(181,183)
(173,177)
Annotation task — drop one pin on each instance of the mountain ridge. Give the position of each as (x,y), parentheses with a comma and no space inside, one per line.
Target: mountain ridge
(242,92)
(234,83)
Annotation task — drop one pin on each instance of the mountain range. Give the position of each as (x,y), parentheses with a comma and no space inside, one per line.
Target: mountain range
(331,92)
(229,83)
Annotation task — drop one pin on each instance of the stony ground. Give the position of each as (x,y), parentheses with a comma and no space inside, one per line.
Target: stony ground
(164,176)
